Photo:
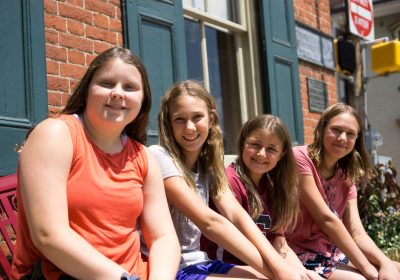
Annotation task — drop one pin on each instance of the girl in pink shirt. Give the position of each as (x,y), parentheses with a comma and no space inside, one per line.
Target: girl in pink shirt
(264,181)
(330,237)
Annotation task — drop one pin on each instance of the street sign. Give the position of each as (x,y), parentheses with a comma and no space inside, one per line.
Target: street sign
(361,18)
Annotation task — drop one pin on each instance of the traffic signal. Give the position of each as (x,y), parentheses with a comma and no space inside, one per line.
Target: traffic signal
(385,57)
(345,56)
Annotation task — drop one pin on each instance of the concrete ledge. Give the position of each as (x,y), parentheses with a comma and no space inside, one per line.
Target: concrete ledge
(228,159)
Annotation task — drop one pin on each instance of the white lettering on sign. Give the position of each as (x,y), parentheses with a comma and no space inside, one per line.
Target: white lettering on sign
(361,11)
(361,22)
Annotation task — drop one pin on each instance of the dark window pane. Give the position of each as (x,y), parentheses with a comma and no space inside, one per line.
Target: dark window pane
(224,83)
(193,50)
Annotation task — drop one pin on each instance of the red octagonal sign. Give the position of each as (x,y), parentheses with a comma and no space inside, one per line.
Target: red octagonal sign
(361,18)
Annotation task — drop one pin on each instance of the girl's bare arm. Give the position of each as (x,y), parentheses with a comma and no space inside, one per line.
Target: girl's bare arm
(45,164)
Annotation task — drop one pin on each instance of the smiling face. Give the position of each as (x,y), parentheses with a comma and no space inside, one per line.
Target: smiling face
(339,137)
(115,94)
(261,152)
(190,121)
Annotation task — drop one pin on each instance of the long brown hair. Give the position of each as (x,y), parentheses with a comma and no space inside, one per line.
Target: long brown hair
(78,100)
(356,165)
(283,194)
(211,155)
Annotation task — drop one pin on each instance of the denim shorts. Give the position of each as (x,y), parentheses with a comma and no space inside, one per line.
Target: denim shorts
(321,264)
(202,270)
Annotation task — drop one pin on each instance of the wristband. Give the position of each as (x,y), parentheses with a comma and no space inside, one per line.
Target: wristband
(127,276)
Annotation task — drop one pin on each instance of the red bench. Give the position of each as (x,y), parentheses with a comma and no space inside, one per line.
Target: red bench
(8,222)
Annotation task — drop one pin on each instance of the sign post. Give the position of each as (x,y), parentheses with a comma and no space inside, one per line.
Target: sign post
(361,18)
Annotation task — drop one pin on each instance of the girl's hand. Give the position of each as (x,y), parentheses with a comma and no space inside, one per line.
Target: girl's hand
(388,272)
(370,272)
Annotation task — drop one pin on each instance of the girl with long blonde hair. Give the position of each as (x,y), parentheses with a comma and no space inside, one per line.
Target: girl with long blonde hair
(191,159)
(331,238)
(264,180)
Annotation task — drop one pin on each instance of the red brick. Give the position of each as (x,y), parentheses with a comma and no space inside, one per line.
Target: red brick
(76,57)
(119,13)
(76,3)
(52,67)
(72,71)
(75,13)
(89,58)
(308,139)
(101,7)
(101,34)
(101,21)
(56,22)
(115,2)
(100,47)
(73,83)
(77,42)
(64,98)
(115,25)
(310,122)
(57,84)
(54,98)
(56,53)
(50,6)
(51,36)
(75,27)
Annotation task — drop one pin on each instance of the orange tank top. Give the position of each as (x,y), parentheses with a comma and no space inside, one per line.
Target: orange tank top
(104,193)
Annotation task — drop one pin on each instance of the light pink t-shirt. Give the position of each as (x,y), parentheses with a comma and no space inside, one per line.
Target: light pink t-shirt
(337,191)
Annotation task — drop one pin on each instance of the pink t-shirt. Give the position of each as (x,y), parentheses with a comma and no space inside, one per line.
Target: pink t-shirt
(337,191)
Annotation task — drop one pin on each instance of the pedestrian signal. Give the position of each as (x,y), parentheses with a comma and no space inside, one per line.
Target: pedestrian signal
(385,57)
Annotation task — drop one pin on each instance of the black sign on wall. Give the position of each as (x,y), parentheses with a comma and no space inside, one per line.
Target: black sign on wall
(317,95)
(314,46)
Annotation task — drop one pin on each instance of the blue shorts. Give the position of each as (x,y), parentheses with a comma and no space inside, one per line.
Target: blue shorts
(201,271)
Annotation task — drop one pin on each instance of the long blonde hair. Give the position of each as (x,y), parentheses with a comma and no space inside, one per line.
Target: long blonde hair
(211,155)
(283,194)
(356,165)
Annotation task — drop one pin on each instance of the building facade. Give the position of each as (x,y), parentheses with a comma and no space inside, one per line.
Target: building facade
(379,97)
(255,56)
(383,94)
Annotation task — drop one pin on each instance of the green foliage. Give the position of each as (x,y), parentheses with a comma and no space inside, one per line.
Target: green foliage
(379,206)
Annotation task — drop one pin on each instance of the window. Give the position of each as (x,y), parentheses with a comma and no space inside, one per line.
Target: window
(219,55)
(224,9)
(395,29)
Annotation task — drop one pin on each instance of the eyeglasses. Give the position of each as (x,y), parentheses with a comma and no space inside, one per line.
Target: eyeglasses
(270,151)
(338,131)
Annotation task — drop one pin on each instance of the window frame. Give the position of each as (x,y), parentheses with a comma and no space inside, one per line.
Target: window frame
(246,51)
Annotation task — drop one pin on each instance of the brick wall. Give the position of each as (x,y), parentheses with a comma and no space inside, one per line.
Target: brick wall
(315,14)
(75,32)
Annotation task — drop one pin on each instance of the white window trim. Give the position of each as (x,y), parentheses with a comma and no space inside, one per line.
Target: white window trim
(245,39)
(214,20)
